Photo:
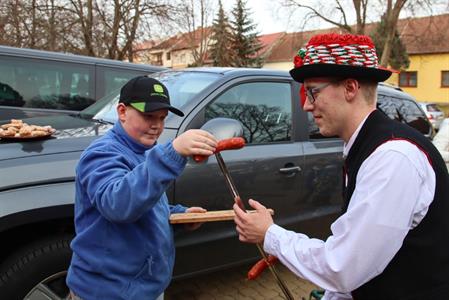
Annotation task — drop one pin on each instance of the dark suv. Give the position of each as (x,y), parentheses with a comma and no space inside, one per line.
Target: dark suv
(286,164)
(39,83)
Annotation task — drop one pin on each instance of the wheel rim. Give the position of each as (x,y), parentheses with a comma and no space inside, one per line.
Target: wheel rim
(51,288)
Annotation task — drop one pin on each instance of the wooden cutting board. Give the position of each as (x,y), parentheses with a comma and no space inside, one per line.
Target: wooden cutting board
(210,216)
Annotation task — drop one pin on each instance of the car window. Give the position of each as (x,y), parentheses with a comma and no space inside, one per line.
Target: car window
(45,84)
(388,106)
(264,108)
(409,111)
(432,108)
(114,79)
(185,86)
(103,109)
(406,111)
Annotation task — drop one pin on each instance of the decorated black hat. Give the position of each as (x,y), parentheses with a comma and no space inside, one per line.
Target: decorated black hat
(339,55)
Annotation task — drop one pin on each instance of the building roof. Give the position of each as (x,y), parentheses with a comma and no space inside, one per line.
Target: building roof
(192,39)
(145,45)
(268,42)
(291,42)
(166,44)
(425,35)
(184,40)
(420,36)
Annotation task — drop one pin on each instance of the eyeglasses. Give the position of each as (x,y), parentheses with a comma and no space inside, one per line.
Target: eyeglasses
(312,93)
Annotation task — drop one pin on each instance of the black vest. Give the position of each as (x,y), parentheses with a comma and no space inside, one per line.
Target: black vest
(420,269)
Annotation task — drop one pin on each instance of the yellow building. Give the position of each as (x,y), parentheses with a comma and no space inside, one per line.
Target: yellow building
(427,42)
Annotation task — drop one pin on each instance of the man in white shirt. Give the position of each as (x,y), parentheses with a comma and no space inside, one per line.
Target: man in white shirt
(391,240)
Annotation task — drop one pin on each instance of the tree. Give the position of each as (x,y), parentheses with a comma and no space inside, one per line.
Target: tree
(391,18)
(118,26)
(194,19)
(244,40)
(39,24)
(220,51)
(338,15)
(103,28)
(398,58)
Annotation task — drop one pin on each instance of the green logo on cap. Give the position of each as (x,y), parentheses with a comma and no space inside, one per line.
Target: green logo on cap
(159,91)
(158,88)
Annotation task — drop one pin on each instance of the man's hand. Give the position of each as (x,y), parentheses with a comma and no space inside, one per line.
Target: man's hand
(194,226)
(195,142)
(252,227)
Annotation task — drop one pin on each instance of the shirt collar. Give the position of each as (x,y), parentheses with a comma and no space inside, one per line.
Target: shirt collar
(347,146)
(124,138)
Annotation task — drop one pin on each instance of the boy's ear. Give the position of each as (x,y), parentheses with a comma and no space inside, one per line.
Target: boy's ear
(121,111)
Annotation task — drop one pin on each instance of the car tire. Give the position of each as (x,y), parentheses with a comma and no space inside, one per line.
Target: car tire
(37,269)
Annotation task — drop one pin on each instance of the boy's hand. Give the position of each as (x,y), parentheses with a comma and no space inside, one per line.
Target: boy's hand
(194,226)
(195,142)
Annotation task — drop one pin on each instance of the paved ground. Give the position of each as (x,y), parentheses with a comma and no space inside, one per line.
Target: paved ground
(233,285)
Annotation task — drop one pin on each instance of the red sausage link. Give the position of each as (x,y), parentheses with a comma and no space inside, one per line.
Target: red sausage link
(226,144)
(260,266)
(232,143)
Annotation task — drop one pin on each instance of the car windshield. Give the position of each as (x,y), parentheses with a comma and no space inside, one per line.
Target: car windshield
(182,87)
(433,108)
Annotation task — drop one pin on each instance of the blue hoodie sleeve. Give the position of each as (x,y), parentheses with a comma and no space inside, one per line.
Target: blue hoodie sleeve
(123,194)
(176,209)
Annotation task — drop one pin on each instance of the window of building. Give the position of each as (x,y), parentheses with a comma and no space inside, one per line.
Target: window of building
(408,79)
(168,55)
(264,108)
(159,59)
(444,78)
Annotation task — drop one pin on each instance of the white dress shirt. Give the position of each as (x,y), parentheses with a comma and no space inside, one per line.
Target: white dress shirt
(395,186)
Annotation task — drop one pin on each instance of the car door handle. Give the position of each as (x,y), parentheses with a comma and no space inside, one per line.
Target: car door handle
(290,170)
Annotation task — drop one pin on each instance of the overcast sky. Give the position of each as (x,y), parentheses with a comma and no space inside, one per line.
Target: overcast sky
(271,17)
(263,14)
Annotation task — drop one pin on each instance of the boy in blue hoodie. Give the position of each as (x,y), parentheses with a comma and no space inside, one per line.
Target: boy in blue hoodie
(124,248)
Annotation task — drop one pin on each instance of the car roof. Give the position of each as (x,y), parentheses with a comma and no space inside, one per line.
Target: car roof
(426,103)
(68,57)
(392,91)
(229,71)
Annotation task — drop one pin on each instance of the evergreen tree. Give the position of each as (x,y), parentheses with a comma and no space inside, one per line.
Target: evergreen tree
(221,38)
(399,58)
(244,40)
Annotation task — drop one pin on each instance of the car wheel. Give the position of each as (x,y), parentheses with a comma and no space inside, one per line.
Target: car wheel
(37,271)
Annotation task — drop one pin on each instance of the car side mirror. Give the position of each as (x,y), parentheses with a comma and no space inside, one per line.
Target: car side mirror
(223,128)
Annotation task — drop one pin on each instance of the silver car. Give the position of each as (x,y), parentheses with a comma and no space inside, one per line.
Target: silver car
(433,113)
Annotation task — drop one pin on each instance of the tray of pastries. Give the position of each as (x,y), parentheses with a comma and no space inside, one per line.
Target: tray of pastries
(17,129)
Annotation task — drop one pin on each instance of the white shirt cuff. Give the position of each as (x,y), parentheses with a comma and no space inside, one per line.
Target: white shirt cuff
(271,241)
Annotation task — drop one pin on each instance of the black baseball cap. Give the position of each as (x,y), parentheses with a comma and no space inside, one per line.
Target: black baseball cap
(147,94)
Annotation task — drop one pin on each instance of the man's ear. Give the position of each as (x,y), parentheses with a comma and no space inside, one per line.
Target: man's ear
(121,112)
(352,88)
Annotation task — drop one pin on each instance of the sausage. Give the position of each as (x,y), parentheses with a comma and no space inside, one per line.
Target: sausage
(260,266)
(226,144)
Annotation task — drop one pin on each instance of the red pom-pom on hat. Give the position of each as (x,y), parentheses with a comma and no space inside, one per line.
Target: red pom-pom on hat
(302,95)
(298,61)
